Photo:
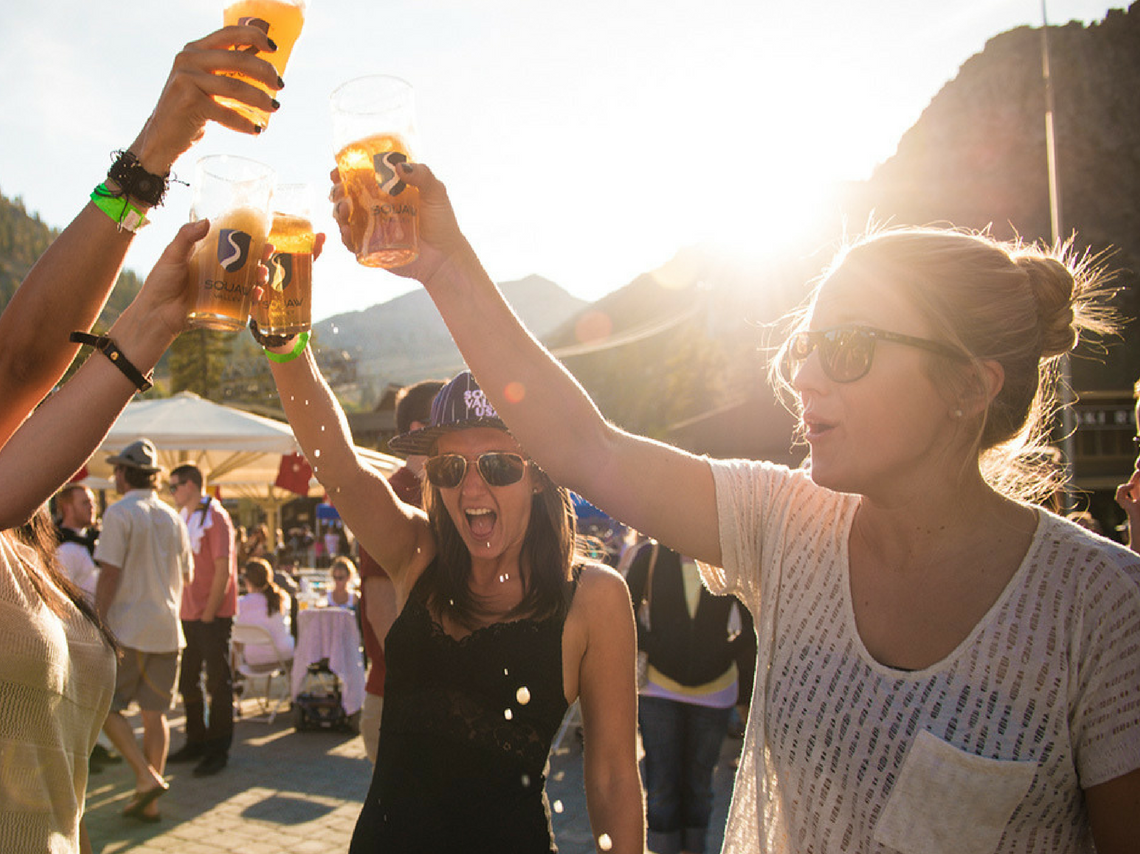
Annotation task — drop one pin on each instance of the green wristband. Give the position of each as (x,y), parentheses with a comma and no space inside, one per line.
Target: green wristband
(298,349)
(119,209)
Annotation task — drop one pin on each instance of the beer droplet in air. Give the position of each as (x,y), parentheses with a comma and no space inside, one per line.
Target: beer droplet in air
(335,330)
(317,454)
(526,781)
(523,695)
(514,392)
(508,714)
(557,806)
(604,842)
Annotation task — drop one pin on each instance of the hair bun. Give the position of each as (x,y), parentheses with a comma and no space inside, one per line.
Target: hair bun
(1053,286)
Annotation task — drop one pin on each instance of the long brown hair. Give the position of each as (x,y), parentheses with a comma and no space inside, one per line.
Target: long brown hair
(547,550)
(48,578)
(259,574)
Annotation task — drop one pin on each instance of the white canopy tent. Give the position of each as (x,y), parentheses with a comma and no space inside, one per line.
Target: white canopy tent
(237,451)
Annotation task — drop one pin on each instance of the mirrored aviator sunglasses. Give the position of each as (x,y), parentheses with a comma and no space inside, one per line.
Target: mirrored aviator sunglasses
(497,468)
(846,352)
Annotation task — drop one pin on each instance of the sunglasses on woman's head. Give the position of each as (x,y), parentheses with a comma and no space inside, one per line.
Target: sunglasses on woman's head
(497,468)
(846,352)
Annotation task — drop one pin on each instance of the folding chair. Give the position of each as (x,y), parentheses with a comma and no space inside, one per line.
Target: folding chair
(245,635)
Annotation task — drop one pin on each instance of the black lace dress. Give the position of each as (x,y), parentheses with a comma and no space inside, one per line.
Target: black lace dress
(464,738)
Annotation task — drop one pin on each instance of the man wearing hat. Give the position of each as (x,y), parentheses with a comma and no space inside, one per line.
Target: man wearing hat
(144,558)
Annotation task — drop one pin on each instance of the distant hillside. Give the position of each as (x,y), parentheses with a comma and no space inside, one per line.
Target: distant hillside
(405,339)
(24,237)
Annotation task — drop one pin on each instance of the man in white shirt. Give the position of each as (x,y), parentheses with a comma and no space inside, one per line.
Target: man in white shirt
(75,504)
(144,558)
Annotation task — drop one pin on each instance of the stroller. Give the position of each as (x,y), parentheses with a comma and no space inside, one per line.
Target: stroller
(319,705)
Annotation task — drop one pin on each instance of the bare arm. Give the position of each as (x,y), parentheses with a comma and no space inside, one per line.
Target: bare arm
(656,488)
(106,587)
(69,284)
(60,435)
(608,698)
(394,533)
(1113,807)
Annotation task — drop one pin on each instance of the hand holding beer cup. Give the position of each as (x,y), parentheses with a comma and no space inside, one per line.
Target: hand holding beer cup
(440,238)
(373,133)
(203,71)
(234,194)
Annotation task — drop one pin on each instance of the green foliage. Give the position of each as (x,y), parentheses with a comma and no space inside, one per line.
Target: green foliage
(198,360)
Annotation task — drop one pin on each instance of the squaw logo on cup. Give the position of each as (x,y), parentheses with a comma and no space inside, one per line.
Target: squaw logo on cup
(281,271)
(385,163)
(233,249)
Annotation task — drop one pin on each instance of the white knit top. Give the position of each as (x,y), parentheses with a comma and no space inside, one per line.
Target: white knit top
(986,751)
(57,676)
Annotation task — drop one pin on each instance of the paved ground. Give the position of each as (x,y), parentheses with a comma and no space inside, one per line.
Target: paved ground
(288,792)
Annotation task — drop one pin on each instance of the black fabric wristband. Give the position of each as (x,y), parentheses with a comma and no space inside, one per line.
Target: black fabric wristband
(111,350)
(135,181)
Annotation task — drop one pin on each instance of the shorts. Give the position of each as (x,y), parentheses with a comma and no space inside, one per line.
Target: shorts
(148,678)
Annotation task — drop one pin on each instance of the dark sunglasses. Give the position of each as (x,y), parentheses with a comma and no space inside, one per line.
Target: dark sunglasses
(497,468)
(846,352)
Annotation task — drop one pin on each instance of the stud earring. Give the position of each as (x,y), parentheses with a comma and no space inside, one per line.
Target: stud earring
(957,413)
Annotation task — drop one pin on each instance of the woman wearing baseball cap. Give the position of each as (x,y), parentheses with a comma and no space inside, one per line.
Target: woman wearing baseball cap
(500,628)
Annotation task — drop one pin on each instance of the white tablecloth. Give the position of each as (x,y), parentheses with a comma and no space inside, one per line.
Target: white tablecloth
(331,633)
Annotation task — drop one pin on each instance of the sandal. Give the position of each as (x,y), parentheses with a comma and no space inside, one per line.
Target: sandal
(141,800)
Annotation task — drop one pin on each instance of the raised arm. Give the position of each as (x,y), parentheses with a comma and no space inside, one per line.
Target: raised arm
(394,533)
(660,490)
(58,438)
(69,284)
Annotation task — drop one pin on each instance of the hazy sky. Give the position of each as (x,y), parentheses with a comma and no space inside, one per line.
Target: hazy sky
(586,141)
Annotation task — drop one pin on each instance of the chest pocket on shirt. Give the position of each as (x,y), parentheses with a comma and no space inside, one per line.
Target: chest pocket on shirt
(946,800)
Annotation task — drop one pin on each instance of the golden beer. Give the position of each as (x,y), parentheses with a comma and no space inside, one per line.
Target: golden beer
(281,20)
(385,221)
(286,305)
(223,269)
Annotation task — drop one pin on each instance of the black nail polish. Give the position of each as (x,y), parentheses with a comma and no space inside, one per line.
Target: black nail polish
(280,82)
(258,128)
(272,44)
(276,106)
(406,168)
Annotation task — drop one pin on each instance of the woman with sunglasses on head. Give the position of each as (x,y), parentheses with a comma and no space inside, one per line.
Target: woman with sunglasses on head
(943,666)
(499,629)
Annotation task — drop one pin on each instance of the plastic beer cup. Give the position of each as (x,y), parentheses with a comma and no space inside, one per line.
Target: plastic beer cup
(281,20)
(374,132)
(286,304)
(234,194)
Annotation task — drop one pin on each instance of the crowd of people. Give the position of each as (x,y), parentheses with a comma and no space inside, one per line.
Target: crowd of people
(940,663)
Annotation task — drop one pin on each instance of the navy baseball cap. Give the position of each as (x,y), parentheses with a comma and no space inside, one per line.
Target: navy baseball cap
(458,405)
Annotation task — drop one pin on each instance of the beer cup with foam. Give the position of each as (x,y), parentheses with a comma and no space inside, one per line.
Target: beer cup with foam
(373,132)
(285,307)
(234,194)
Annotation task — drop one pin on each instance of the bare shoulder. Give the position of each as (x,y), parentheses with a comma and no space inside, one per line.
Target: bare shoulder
(598,583)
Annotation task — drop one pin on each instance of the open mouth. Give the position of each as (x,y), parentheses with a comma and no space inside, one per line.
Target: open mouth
(481,522)
(814,428)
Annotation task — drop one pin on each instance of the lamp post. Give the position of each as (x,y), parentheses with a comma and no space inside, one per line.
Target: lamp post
(1068,417)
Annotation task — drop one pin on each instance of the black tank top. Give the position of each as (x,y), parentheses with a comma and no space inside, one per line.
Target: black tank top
(464,737)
